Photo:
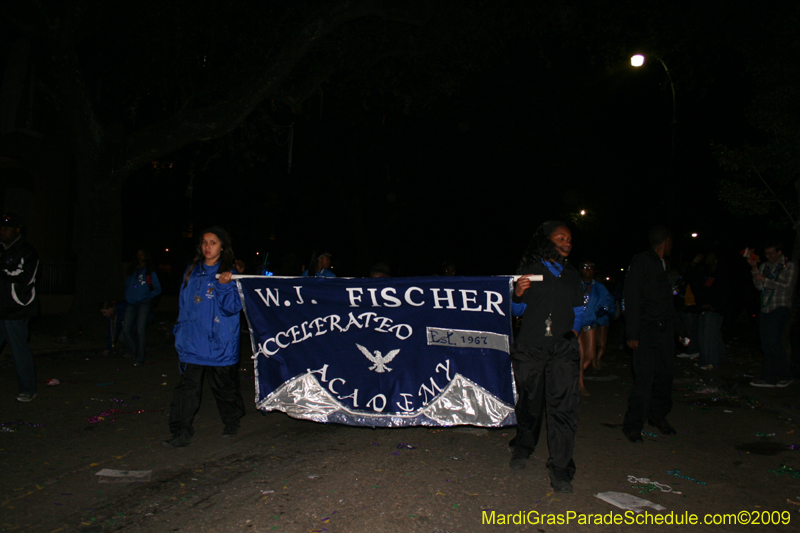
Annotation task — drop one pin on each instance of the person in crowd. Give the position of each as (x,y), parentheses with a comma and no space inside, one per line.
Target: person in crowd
(651,322)
(775,279)
(141,287)
(19,264)
(688,286)
(323,266)
(546,354)
(448,268)
(114,314)
(207,339)
(713,296)
(380,270)
(597,304)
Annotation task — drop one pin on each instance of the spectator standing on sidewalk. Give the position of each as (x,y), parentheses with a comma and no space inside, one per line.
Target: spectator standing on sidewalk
(713,297)
(141,287)
(19,263)
(775,279)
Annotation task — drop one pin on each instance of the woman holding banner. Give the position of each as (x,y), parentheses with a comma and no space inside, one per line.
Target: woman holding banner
(207,339)
(546,354)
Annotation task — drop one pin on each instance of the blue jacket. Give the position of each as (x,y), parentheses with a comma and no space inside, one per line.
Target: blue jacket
(136,288)
(207,332)
(598,298)
(324,273)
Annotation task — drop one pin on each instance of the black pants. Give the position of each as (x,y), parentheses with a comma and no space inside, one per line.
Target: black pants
(547,385)
(224,383)
(653,361)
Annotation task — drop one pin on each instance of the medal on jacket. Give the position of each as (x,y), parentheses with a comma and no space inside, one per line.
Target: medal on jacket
(197,299)
(548,323)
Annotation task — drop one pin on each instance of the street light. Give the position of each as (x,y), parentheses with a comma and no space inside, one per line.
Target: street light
(637,61)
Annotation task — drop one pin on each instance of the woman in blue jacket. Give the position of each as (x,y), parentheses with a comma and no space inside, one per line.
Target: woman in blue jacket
(141,287)
(597,304)
(207,339)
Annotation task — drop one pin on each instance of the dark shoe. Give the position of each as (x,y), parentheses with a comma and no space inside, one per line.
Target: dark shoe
(560,483)
(517,463)
(633,436)
(662,425)
(230,431)
(177,441)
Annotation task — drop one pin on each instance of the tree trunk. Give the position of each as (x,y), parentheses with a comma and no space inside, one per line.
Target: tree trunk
(796,247)
(97,243)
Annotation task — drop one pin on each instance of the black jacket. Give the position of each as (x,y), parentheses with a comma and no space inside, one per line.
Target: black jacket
(554,297)
(648,296)
(19,264)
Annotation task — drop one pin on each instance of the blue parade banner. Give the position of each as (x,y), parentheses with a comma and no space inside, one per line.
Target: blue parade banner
(382,352)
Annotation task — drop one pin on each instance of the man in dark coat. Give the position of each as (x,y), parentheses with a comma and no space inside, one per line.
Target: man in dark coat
(651,324)
(19,264)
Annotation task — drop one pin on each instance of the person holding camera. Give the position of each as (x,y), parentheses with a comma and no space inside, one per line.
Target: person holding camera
(775,279)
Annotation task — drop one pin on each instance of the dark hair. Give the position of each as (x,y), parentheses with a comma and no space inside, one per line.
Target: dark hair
(312,264)
(772,243)
(226,259)
(381,268)
(541,247)
(107,304)
(149,266)
(658,234)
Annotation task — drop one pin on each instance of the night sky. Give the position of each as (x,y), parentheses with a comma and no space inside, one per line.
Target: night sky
(469,176)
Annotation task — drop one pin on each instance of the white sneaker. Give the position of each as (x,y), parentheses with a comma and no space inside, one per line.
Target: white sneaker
(762,383)
(784,383)
(26,396)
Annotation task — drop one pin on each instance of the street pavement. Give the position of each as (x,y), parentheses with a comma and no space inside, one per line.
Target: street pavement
(734,457)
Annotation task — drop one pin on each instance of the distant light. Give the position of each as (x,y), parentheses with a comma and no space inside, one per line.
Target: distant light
(622,270)
(166,249)
(258,253)
(694,235)
(637,60)
(608,279)
(583,212)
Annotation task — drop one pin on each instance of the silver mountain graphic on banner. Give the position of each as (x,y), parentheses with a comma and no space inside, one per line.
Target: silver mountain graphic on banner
(462,401)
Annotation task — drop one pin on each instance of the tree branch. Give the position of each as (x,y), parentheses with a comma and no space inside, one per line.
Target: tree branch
(252,87)
(775,195)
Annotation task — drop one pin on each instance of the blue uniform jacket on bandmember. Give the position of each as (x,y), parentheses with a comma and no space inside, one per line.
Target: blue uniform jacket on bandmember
(598,298)
(137,290)
(324,273)
(207,332)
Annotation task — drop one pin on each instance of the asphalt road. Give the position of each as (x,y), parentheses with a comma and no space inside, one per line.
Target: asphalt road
(732,455)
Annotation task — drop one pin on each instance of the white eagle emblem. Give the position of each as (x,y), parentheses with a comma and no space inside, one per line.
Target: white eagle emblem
(379,360)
